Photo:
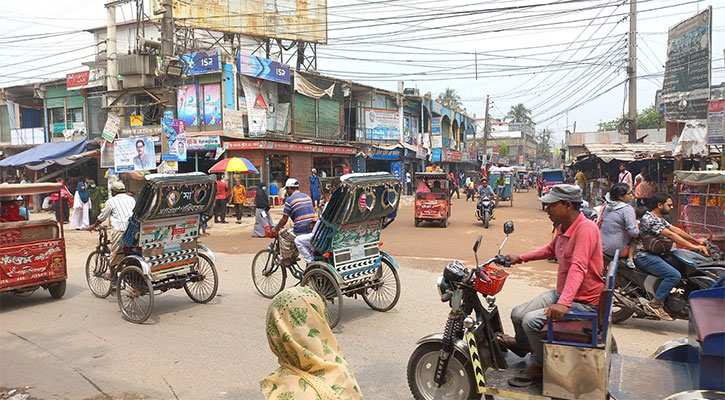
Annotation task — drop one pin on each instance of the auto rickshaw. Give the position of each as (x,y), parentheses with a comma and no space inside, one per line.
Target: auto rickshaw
(33,252)
(504,192)
(522,181)
(432,198)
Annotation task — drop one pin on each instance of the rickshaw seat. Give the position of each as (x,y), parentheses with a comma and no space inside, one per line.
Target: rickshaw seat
(706,307)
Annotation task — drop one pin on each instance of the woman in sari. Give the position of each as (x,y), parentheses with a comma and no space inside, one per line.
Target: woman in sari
(311,363)
(261,215)
(81,207)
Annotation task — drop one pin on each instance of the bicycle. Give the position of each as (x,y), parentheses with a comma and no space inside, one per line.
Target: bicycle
(98,266)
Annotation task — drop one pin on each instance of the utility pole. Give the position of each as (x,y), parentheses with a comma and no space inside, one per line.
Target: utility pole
(167,53)
(632,70)
(486,128)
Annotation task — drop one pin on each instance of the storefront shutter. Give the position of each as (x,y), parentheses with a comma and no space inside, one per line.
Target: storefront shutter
(329,124)
(304,116)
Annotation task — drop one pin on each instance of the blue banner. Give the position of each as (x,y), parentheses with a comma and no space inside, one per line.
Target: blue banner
(396,168)
(263,68)
(385,154)
(202,63)
(436,155)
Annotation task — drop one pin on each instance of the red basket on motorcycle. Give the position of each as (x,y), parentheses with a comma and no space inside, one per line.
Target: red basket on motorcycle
(498,277)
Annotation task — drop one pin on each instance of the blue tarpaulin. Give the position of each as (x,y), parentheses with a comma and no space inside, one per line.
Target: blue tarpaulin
(45,152)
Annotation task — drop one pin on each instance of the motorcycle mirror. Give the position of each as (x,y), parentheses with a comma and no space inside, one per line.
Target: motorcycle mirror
(478,243)
(508,227)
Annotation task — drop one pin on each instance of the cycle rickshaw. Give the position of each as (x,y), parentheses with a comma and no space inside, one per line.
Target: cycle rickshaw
(161,250)
(348,258)
(505,191)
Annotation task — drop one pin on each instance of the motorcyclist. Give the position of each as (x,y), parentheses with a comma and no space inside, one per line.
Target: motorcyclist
(484,189)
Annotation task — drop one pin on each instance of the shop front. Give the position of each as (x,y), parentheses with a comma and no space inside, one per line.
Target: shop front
(385,159)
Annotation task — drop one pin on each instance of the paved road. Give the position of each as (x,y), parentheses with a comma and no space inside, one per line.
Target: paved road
(80,347)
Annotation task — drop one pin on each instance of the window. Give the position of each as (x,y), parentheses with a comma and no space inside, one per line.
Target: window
(331,166)
(56,121)
(278,169)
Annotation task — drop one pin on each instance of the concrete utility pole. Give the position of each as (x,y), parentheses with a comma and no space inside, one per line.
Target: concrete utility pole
(167,52)
(111,55)
(632,70)
(486,128)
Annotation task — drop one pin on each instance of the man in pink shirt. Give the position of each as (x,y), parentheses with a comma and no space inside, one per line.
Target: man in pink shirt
(579,283)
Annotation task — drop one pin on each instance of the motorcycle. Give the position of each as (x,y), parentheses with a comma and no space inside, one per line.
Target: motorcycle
(444,365)
(634,287)
(484,210)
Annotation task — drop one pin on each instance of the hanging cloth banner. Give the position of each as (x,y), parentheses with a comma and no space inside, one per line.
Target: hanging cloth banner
(306,87)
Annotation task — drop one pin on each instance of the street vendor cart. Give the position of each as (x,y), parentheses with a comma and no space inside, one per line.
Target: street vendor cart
(701,204)
(32,253)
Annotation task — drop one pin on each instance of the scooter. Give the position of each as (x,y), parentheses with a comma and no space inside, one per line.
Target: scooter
(635,288)
(484,210)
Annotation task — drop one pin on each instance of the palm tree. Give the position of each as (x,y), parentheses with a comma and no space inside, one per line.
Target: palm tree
(518,113)
(450,98)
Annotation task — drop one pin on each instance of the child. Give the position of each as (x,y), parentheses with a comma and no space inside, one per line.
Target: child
(638,213)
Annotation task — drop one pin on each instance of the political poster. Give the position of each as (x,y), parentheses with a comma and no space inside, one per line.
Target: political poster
(110,130)
(107,159)
(173,140)
(134,154)
(716,122)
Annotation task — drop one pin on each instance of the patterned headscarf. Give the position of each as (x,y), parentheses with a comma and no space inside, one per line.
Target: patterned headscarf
(311,362)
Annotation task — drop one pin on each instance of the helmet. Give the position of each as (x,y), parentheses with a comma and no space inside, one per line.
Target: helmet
(292,183)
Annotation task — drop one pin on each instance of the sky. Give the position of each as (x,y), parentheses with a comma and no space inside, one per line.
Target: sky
(563,59)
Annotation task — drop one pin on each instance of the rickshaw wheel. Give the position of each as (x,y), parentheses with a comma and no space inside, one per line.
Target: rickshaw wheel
(135,294)
(57,290)
(326,286)
(96,266)
(204,289)
(268,275)
(383,296)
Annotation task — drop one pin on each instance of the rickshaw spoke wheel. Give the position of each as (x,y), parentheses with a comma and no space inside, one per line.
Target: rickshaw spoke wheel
(204,287)
(326,286)
(386,292)
(268,274)
(135,294)
(96,266)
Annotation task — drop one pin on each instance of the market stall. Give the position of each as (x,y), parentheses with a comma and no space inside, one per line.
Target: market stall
(701,204)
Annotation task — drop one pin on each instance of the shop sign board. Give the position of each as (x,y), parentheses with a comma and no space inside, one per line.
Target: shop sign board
(452,156)
(140,131)
(420,152)
(287,146)
(77,79)
(233,122)
(110,130)
(201,143)
(385,154)
(396,168)
(436,154)
(204,62)
(173,140)
(716,122)
(263,68)
(382,124)
(435,126)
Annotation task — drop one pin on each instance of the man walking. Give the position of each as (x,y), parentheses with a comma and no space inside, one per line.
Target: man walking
(315,189)
(239,198)
(578,248)
(625,176)
(220,206)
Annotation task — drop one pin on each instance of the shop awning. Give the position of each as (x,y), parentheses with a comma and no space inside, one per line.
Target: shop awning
(65,160)
(45,152)
(700,177)
(627,151)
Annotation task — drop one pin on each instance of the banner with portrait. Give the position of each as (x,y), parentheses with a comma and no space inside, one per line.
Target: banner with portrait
(173,140)
(134,154)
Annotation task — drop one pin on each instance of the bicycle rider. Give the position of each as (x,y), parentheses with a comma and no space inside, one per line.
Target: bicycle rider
(297,206)
(120,208)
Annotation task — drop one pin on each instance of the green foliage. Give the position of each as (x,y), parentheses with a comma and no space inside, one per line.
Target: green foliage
(518,113)
(504,150)
(450,98)
(649,118)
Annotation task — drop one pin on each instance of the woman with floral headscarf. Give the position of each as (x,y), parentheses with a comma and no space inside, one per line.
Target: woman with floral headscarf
(311,362)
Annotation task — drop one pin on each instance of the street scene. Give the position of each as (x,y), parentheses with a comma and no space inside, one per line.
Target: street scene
(344,199)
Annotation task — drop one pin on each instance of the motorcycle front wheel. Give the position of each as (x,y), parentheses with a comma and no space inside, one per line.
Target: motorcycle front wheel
(459,384)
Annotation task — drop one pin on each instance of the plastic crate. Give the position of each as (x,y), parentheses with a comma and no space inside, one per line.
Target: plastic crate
(492,287)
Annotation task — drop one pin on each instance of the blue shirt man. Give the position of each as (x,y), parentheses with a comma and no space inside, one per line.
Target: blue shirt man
(298,207)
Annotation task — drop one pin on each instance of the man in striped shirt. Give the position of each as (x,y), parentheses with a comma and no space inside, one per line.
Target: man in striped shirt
(120,209)
(298,207)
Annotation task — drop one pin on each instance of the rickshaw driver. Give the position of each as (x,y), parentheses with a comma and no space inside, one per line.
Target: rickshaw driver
(499,184)
(577,245)
(437,187)
(298,206)
(120,208)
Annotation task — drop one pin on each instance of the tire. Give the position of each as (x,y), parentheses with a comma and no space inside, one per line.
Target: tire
(417,222)
(326,286)
(485,220)
(133,286)
(96,266)
(57,290)
(384,296)
(460,383)
(204,289)
(621,314)
(268,275)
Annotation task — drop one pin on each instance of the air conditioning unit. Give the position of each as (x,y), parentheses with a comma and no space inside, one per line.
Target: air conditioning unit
(137,70)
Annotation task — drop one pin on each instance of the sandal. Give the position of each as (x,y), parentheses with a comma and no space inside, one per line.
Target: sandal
(524,380)
(509,343)
(658,311)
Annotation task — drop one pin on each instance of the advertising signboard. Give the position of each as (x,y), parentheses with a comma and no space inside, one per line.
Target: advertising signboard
(382,124)
(77,79)
(435,126)
(113,123)
(687,70)
(204,62)
(263,68)
(134,154)
(201,143)
(173,140)
(716,122)
(233,123)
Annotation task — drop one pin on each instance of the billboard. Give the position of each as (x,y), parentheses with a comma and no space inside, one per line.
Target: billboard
(303,20)
(382,124)
(204,62)
(173,140)
(134,154)
(686,88)
(264,68)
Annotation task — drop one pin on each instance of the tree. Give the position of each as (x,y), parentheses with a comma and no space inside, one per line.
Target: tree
(649,118)
(503,151)
(543,145)
(518,113)
(450,98)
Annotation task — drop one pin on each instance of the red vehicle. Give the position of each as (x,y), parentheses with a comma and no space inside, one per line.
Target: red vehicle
(32,253)
(432,198)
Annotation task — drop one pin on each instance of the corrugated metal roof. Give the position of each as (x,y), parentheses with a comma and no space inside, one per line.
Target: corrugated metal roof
(628,151)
